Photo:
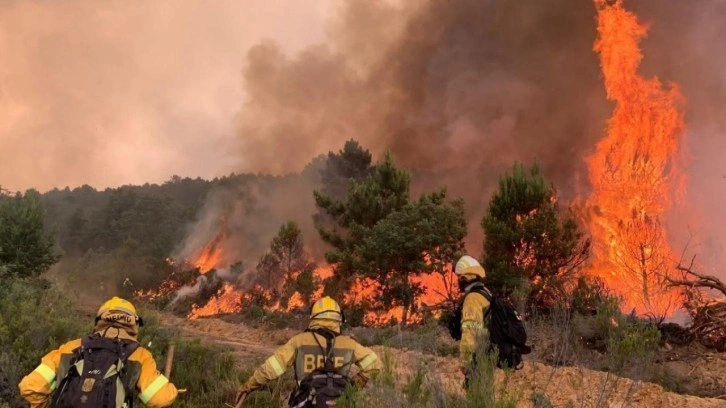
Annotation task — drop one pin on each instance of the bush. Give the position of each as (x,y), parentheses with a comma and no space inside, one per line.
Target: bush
(428,337)
(208,372)
(632,348)
(208,286)
(588,295)
(482,389)
(35,317)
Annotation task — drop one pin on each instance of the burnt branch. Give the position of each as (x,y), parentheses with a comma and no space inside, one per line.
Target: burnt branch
(695,279)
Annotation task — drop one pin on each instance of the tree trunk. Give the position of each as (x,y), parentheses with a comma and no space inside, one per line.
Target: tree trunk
(404,315)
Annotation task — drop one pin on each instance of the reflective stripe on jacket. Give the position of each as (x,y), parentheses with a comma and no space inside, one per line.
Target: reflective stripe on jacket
(472,325)
(154,389)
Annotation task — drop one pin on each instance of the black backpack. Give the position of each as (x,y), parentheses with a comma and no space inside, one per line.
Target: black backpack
(97,376)
(325,384)
(506,329)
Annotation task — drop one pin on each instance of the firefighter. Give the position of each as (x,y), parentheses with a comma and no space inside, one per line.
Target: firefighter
(471,276)
(118,321)
(318,348)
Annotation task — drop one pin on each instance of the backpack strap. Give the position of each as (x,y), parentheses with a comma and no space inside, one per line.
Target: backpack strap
(127,350)
(479,288)
(329,336)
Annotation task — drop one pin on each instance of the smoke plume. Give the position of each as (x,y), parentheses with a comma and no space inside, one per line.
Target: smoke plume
(460,90)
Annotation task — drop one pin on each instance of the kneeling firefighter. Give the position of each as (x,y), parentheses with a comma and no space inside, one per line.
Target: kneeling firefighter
(107,368)
(322,359)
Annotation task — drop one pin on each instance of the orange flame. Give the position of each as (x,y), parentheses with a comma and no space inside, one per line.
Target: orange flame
(437,289)
(635,170)
(230,299)
(227,300)
(211,255)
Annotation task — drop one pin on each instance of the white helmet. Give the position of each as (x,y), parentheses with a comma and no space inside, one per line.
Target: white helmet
(468,267)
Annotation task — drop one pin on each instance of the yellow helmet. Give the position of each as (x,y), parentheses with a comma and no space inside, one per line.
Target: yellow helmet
(468,267)
(116,304)
(327,308)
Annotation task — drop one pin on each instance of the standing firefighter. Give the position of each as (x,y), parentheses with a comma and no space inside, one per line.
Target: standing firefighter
(106,368)
(322,359)
(473,328)
(482,317)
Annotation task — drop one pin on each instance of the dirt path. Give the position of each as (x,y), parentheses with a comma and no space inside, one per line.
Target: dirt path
(244,341)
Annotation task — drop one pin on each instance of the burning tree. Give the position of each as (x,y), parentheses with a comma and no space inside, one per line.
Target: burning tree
(381,235)
(635,171)
(528,240)
(285,261)
(421,238)
(351,164)
(369,201)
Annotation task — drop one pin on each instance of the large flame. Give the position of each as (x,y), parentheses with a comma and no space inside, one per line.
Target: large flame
(211,255)
(227,300)
(635,170)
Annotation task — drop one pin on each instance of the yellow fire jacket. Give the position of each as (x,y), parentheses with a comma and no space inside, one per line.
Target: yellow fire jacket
(472,325)
(154,389)
(306,355)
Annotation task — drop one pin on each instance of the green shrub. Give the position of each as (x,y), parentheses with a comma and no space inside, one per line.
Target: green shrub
(539,400)
(632,348)
(424,389)
(416,391)
(207,372)
(482,391)
(428,337)
(35,317)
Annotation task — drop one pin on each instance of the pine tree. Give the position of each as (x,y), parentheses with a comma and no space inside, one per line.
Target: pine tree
(385,190)
(528,242)
(380,234)
(26,247)
(420,238)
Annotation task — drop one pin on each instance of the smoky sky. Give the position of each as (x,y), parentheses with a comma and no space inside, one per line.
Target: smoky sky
(127,92)
(460,90)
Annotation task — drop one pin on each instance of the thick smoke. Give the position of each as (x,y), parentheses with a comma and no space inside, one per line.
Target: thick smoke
(460,90)
(443,85)
(248,213)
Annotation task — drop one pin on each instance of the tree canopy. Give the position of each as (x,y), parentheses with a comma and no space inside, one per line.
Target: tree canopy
(285,265)
(528,241)
(367,202)
(379,233)
(420,238)
(26,246)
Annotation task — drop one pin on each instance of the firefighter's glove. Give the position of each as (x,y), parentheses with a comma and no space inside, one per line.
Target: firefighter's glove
(359,381)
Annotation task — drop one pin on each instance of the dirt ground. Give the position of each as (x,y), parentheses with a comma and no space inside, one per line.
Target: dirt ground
(564,386)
